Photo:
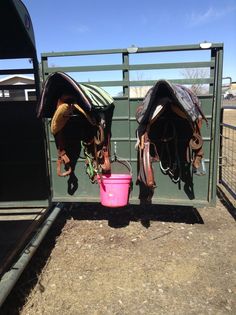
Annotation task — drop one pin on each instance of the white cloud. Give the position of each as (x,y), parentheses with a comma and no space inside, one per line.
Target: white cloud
(211,14)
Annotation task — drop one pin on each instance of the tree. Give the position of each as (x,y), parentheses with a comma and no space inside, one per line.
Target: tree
(196,74)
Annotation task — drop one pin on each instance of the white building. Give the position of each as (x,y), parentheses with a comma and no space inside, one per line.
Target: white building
(23,94)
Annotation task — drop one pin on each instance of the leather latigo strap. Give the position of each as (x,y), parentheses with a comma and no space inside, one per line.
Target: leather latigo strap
(106,164)
(146,174)
(65,161)
(196,145)
(62,158)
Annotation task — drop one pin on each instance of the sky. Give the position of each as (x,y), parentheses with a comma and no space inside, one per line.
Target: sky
(65,25)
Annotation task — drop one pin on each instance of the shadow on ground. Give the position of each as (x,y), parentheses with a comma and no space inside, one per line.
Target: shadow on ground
(226,202)
(121,217)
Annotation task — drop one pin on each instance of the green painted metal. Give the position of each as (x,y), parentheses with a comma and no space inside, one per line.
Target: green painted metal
(216,119)
(124,123)
(16,28)
(9,279)
(24,178)
(126,67)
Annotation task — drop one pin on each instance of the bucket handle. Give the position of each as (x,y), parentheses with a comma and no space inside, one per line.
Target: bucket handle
(122,161)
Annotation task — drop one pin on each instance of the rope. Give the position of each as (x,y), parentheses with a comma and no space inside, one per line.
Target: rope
(91,169)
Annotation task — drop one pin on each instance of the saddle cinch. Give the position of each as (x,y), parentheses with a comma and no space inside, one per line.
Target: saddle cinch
(170,120)
(81,116)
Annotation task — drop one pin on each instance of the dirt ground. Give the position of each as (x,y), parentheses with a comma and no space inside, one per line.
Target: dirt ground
(153,260)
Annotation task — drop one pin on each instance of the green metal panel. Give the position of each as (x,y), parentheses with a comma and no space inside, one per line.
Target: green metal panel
(23,167)
(24,178)
(124,123)
(17,34)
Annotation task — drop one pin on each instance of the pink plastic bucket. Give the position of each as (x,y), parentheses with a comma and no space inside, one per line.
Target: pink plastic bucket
(114,189)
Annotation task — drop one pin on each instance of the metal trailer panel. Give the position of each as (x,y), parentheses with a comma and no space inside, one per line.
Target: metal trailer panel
(124,123)
(24,176)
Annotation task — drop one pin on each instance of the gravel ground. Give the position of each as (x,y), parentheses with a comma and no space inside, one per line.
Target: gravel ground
(155,260)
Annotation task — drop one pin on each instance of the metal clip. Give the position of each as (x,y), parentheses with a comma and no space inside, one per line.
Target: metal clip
(115,148)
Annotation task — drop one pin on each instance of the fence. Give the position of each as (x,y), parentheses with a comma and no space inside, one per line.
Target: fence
(125,73)
(227,171)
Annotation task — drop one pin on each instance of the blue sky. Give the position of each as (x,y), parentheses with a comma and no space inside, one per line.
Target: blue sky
(101,24)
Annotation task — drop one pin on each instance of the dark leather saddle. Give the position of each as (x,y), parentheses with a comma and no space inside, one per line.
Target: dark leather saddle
(170,119)
(81,117)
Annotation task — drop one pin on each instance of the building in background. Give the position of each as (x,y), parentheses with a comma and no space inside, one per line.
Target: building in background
(18,94)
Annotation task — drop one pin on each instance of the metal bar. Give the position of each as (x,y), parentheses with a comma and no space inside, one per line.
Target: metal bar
(180,81)
(177,48)
(36,75)
(17,87)
(174,65)
(221,143)
(201,97)
(212,89)
(10,278)
(131,67)
(44,65)
(216,120)
(229,126)
(83,52)
(149,82)
(226,185)
(140,50)
(16,71)
(125,74)
(228,107)
(87,68)
(208,95)
(27,55)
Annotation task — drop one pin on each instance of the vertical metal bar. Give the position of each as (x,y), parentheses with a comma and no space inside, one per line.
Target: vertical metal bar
(218,52)
(44,66)
(126,91)
(36,76)
(221,143)
(125,73)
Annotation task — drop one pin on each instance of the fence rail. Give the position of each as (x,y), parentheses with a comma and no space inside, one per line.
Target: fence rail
(227,170)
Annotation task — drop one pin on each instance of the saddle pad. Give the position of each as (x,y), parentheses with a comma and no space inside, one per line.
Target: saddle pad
(96,95)
(88,96)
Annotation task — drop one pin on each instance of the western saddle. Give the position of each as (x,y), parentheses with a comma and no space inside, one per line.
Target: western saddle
(81,116)
(169,131)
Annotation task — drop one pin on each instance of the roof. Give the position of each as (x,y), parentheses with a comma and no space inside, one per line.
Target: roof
(16,79)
